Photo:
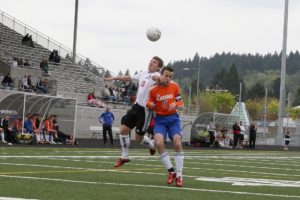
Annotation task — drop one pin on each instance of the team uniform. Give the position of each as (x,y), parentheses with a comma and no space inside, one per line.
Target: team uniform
(167,123)
(137,114)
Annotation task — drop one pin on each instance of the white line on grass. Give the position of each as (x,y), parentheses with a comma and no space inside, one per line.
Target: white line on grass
(152,186)
(11,198)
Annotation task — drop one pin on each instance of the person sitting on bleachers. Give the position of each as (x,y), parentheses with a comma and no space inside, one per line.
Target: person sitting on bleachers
(26,63)
(27,40)
(20,62)
(105,93)
(29,83)
(44,67)
(8,82)
(93,101)
(15,62)
(40,86)
(24,83)
(54,57)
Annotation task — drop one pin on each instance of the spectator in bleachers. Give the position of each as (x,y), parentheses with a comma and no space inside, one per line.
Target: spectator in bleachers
(20,62)
(26,63)
(112,96)
(29,83)
(44,67)
(27,40)
(24,83)
(40,87)
(54,57)
(105,93)
(130,91)
(8,82)
(15,62)
(93,101)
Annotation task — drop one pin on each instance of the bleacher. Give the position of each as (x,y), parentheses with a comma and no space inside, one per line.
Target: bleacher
(72,80)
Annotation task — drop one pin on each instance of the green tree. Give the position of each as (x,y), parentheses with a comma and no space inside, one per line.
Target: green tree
(107,74)
(232,80)
(273,106)
(254,108)
(256,92)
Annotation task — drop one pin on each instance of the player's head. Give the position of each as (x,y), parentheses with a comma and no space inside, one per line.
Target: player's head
(166,75)
(155,64)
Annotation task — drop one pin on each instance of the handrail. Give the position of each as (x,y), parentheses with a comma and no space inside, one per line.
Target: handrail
(46,41)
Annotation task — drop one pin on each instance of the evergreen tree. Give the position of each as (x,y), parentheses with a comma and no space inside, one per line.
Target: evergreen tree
(127,73)
(256,92)
(232,80)
(276,88)
(107,74)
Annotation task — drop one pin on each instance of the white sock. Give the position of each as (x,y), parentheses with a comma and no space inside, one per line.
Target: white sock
(165,159)
(47,137)
(125,143)
(37,138)
(179,163)
(147,142)
(2,137)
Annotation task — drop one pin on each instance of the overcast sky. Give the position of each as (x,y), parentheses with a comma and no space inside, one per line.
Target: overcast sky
(112,33)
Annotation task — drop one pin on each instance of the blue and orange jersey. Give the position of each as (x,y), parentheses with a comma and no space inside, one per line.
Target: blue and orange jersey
(162,96)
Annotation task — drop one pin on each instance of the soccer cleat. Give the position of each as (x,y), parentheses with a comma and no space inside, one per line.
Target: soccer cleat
(171,177)
(179,181)
(152,151)
(121,162)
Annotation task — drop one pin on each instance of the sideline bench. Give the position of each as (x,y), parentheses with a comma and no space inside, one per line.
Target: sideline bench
(98,130)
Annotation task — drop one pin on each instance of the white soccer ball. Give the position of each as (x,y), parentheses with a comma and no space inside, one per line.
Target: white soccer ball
(153,34)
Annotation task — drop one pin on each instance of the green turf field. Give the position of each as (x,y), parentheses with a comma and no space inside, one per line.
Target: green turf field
(80,173)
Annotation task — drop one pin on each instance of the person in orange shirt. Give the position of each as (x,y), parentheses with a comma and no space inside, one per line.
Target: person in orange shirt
(49,129)
(165,100)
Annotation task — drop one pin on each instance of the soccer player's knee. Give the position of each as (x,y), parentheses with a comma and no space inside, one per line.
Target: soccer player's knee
(159,143)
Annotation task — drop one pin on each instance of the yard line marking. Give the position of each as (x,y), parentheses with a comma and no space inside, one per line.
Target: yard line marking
(148,156)
(152,186)
(128,170)
(251,181)
(11,198)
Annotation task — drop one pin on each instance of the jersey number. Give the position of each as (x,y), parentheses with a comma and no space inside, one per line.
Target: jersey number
(143,83)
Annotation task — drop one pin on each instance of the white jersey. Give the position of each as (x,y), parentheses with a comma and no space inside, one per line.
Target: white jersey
(145,83)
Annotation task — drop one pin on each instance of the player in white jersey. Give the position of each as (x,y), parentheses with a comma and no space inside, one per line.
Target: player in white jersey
(137,114)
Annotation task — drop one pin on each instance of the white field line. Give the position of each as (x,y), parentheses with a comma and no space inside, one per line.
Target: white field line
(148,156)
(251,181)
(141,157)
(190,168)
(11,198)
(151,186)
(227,160)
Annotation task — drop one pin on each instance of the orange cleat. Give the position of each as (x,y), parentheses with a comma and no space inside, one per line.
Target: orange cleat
(171,177)
(121,162)
(179,181)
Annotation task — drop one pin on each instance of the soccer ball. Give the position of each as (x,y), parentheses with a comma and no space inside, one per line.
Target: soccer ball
(153,34)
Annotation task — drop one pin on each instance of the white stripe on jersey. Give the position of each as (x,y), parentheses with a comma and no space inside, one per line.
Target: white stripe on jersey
(145,83)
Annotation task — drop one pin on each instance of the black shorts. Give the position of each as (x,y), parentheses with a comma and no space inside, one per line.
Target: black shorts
(286,142)
(136,118)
